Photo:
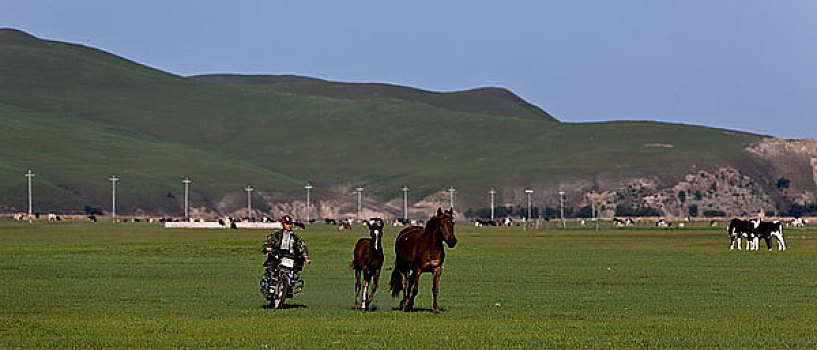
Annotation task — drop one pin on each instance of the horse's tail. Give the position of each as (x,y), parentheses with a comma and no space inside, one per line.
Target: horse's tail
(396,282)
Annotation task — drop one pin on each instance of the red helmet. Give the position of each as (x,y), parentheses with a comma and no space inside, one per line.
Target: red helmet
(286,220)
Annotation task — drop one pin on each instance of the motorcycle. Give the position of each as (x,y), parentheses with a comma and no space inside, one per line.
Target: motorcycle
(281,281)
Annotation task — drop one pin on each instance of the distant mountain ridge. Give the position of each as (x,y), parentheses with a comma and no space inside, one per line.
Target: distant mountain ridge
(76,115)
(488,100)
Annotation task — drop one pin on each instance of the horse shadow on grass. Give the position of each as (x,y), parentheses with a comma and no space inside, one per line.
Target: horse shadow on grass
(418,309)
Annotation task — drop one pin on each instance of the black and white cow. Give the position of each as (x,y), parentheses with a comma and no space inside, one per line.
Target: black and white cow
(767,230)
(663,223)
(626,222)
(739,229)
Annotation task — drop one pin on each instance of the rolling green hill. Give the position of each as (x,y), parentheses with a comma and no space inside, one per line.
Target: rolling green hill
(76,115)
(482,100)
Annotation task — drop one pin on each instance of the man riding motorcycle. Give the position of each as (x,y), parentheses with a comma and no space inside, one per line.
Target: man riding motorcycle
(289,242)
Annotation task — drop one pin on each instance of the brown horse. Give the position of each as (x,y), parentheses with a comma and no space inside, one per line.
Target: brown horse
(420,250)
(369,261)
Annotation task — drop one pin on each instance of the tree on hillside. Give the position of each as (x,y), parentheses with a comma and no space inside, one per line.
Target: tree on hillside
(782,183)
(693,210)
(91,210)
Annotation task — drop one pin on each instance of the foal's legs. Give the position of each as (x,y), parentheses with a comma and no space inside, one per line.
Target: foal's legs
(436,287)
(376,278)
(365,303)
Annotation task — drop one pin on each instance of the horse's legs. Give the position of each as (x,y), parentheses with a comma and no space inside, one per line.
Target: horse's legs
(436,287)
(365,299)
(357,288)
(415,281)
(407,283)
(375,279)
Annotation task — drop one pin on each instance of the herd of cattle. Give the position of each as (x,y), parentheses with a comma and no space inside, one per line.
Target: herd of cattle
(753,230)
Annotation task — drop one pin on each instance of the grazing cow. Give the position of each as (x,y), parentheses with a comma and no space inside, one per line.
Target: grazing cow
(797,222)
(767,230)
(368,261)
(92,218)
(300,224)
(713,223)
(739,229)
(663,223)
(626,222)
(481,223)
(330,221)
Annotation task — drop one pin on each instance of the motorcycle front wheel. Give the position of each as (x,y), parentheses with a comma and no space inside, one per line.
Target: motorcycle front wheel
(283,290)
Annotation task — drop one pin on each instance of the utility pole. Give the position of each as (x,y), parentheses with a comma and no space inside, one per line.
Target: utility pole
(249,190)
(451,192)
(529,192)
(186,181)
(113,181)
(307,187)
(359,191)
(492,192)
(593,200)
(562,207)
(405,203)
(29,175)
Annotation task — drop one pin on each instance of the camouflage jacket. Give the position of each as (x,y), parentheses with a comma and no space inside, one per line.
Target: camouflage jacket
(298,247)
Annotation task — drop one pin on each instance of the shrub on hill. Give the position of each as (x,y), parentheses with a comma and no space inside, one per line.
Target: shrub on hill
(641,211)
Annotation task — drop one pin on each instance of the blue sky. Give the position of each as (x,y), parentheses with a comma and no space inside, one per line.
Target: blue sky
(745,65)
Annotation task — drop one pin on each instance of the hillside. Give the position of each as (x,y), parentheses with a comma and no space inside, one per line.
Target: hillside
(76,115)
(489,100)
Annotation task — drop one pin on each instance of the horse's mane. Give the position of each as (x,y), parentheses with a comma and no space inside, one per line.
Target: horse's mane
(432,224)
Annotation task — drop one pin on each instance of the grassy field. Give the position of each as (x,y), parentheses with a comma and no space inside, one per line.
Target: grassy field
(140,286)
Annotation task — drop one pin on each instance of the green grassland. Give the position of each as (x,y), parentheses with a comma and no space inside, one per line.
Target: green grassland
(72,285)
(76,115)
